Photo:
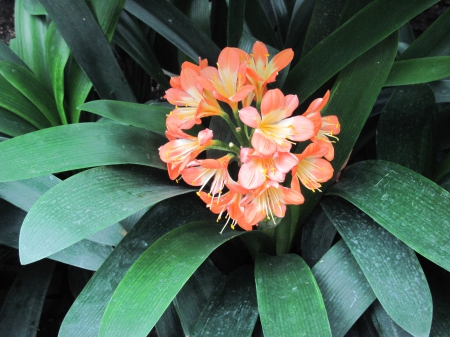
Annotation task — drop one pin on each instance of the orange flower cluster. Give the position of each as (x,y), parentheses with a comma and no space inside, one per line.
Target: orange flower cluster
(265,128)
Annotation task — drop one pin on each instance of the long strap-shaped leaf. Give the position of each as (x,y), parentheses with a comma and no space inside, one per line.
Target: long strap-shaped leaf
(158,275)
(105,194)
(84,317)
(84,254)
(81,146)
(148,116)
(289,300)
(22,306)
(408,205)
(13,125)
(90,47)
(168,21)
(367,28)
(390,266)
(232,308)
(344,288)
(420,70)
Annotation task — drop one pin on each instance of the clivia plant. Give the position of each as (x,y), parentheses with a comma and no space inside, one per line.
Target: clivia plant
(179,161)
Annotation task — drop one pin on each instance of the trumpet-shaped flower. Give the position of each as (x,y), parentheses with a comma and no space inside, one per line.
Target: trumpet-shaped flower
(227,82)
(256,168)
(269,200)
(261,71)
(274,131)
(324,127)
(312,170)
(179,152)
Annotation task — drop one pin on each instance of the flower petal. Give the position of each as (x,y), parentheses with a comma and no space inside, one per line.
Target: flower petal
(250,116)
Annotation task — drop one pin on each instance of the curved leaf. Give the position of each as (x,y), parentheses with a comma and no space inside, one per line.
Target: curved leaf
(344,288)
(365,29)
(407,204)
(90,47)
(235,22)
(409,109)
(6,54)
(151,116)
(173,25)
(22,307)
(13,125)
(84,317)
(105,195)
(232,309)
(259,25)
(384,324)
(289,299)
(158,275)
(390,266)
(30,86)
(421,70)
(89,144)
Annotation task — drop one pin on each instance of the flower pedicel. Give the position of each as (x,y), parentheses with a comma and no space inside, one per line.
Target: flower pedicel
(266,132)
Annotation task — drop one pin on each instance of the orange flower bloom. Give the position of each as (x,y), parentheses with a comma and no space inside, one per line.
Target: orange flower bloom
(312,169)
(261,71)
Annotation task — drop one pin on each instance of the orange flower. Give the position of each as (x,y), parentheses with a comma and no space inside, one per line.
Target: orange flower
(274,131)
(261,71)
(312,169)
(228,82)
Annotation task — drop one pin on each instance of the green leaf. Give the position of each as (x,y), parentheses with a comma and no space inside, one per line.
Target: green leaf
(22,307)
(194,295)
(57,55)
(106,194)
(419,218)
(235,23)
(83,318)
(259,24)
(438,278)
(282,11)
(151,116)
(364,30)
(157,276)
(30,41)
(130,38)
(78,89)
(434,41)
(345,290)
(90,48)
(12,100)
(420,70)
(173,25)
(441,90)
(30,86)
(6,54)
(34,7)
(107,14)
(384,324)
(409,109)
(13,125)
(84,254)
(289,299)
(390,266)
(89,144)
(232,309)
(169,324)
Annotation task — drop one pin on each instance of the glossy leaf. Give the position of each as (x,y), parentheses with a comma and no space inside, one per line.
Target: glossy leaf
(30,86)
(409,109)
(421,70)
(57,55)
(364,30)
(130,38)
(378,189)
(384,324)
(259,24)
(22,307)
(34,7)
(232,309)
(106,194)
(151,116)
(89,144)
(13,125)
(235,23)
(12,100)
(289,299)
(390,266)
(84,254)
(6,54)
(83,318)
(169,324)
(168,21)
(156,277)
(90,48)
(435,40)
(344,288)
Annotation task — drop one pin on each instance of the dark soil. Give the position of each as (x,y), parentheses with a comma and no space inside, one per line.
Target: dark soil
(6,20)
